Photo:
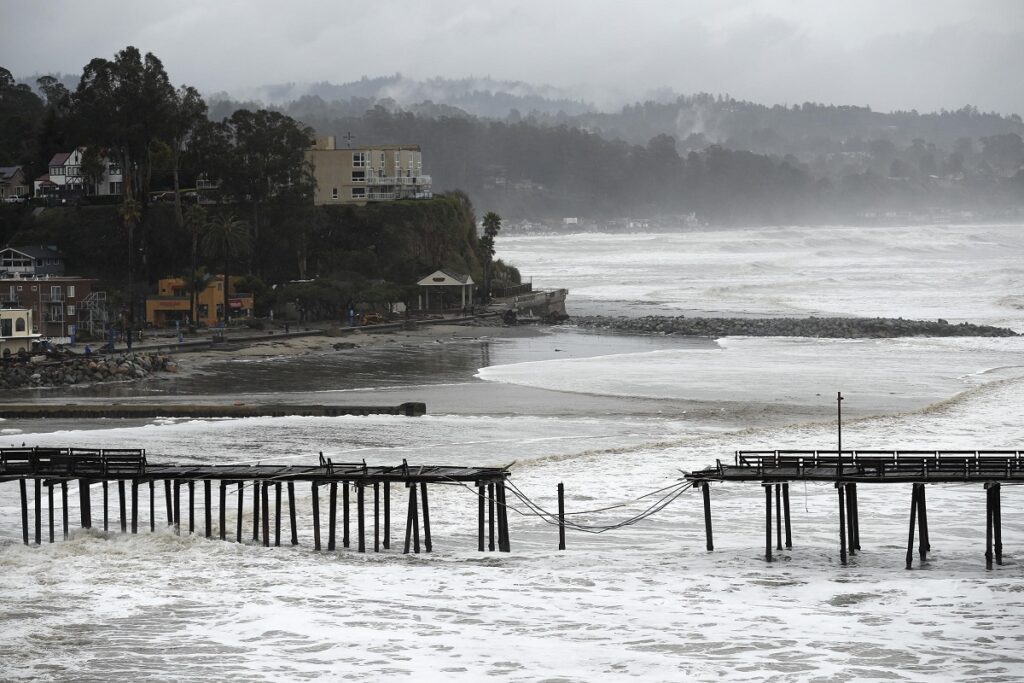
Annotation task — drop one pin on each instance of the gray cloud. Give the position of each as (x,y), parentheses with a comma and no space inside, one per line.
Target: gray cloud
(926,55)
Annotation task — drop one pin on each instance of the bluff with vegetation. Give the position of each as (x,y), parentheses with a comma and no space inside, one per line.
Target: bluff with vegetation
(366,253)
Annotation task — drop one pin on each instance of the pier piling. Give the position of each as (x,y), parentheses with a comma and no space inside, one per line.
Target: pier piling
(778,517)
(481,503)
(208,507)
(376,517)
(504,544)
(223,510)
(997,523)
(291,512)
(490,517)
(855,515)
(24,509)
(841,492)
(135,506)
(344,514)
(64,508)
(360,527)
(167,495)
(316,516)
(851,516)
(913,521)
(84,504)
(767,522)
(988,526)
(785,510)
(561,519)
(266,514)
(277,514)
(708,535)
(39,511)
(106,526)
(241,505)
(387,515)
(427,545)
(256,511)
(177,506)
(332,515)
(49,493)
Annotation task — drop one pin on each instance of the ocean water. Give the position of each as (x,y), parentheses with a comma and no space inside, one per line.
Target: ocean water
(614,418)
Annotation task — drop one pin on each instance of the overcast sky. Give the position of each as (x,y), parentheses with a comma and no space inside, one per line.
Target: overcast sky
(890,54)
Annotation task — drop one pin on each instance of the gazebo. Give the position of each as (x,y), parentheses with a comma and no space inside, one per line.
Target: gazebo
(444,290)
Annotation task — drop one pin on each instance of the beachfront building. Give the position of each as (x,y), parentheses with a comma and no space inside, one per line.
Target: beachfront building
(173,302)
(444,290)
(16,333)
(62,306)
(366,174)
(30,261)
(12,182)
(65,177)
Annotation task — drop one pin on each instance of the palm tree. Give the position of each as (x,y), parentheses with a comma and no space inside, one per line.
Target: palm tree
(226,236)
(492,225)
(196,221)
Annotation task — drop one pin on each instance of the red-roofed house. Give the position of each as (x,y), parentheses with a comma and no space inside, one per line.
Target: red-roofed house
(65,177)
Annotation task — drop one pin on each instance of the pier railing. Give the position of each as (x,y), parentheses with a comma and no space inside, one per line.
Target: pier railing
(917,464)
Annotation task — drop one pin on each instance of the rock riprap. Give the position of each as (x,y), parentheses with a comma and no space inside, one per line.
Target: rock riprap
(15,374)
(790,327)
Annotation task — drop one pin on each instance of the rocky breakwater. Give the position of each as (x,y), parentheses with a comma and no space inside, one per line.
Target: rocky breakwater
(850,328)
(49,372)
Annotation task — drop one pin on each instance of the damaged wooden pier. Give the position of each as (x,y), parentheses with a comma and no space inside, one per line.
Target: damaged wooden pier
(774,470)
(51,468)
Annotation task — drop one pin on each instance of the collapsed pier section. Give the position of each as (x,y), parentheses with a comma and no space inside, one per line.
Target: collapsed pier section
(51,468)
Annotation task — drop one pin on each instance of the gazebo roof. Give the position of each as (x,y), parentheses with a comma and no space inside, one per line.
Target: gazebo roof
(443,278)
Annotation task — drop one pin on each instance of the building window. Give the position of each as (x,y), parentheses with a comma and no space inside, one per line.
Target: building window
(71,291)
(71,310)
(115,169)
(334,193)
(358,176)
(56,170)
(55,292)
(19,325)
(115,188)
(358,192)
(359,159)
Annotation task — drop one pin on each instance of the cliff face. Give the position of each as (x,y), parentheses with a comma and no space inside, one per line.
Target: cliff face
(396,241)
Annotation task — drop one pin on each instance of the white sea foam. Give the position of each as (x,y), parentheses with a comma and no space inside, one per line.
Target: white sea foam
(958,273)
(643,602)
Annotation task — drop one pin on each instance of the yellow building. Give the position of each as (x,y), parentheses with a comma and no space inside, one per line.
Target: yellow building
(173,302)
(368,174)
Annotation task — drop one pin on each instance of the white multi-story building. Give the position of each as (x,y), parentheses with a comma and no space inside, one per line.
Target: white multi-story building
(65,177)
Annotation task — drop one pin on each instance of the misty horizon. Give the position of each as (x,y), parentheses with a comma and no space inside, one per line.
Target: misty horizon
(924,57)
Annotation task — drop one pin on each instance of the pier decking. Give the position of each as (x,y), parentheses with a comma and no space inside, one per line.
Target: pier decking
(56,467)
(848,468)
